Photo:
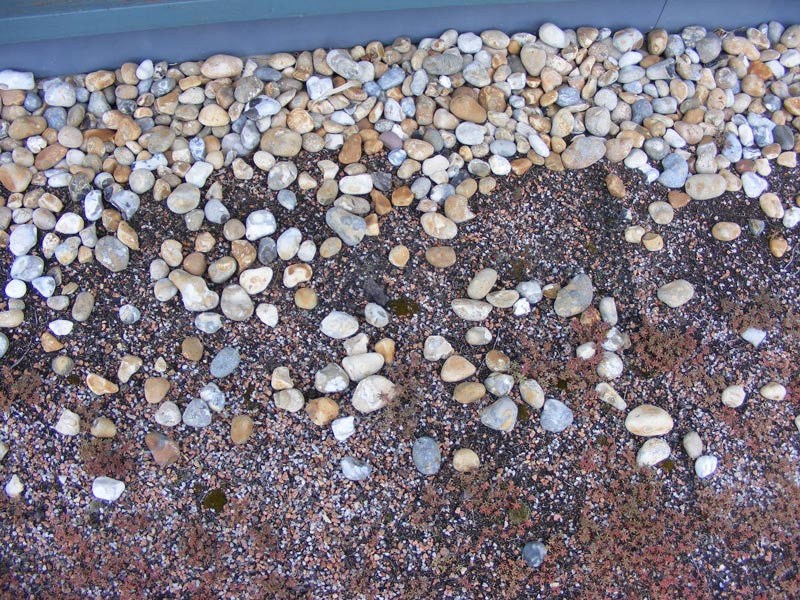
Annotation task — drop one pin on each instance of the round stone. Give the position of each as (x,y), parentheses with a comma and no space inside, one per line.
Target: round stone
(676,293)
(652,452)
(466,460)
(556,416)
(705,466)
(533,553)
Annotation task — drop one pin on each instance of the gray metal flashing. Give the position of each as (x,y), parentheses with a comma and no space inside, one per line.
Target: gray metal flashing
(327,25)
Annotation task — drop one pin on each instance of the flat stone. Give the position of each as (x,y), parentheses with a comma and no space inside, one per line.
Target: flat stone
(349,227)
(481,284)
(354,469)
(184,198)
(68,423)
(236,303)
(583,152)
(197,414)
(471,310)
(733,396)
(168,414)
(533,553)
(322,411)
(705,186)
(339,325)
(290,400)
(107,488)
(112,253)
(705,466)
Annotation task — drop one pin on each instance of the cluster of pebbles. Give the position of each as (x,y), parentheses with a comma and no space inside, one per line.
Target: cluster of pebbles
(701,112)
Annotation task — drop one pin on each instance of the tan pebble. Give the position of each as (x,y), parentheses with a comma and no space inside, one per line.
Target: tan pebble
(351,150)
(648,420)
(127,235)
(305,299)
(661,212)
(128,367)
(192,348)
(103,427)
(725,231)
(652,241)
(498,362)
(381,204)
(466,460)
(195,263)
(11,318)
(281,379)
(50,343)
(615,186)
(398,256)
(402,196)
(322,410)
(468,392)
(386,348)
(551,290)
(155,389)
(373,226)
(100,385)
(296,274)
(241,429)
(778,246)
(330,247)
(771,205)
(441,257)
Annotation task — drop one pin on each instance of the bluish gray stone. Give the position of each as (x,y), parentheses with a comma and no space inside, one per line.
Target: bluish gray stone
(208,322)
(349,227)
(753,185)
(640,110)
(569,96)
(197,414)
(556,416)
(392,78)
(427,456)
(129,314)
(533,554)
(126,202)
(267,251)
(676,170)
(732,148)
(287,199)
(500,415)
(656,148)
(225,362)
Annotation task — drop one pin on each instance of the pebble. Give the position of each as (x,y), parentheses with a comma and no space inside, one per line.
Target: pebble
(466,460)
(534,553)
(426,455)
(322,411)
(481,284)
(652,452)
(456,368)
(197,414)
(648,420)
(372,393)
(575,297)
(354,469)
(692,444)
(705,466)
(343,428)
(168,414)
(103,427)
(163,450)
(610,366)
(676,293)
(112,254)
(107,488)
(339,325)
(726,231)
(225,362)
(68,423)
(556,416)
(773,391)
(501,415)
(290,400)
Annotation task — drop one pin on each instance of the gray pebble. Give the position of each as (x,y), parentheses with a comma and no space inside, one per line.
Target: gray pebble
(225,362)
(427,456)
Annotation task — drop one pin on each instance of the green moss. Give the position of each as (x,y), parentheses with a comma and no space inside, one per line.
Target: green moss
(518,515)
(668,465)
(562,384)
(523,414)
(404,306)
(73,380)
(215,500)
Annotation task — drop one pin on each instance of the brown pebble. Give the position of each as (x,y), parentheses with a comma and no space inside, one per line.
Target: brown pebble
(678,199)
(778,246)
(155,388)
(386,348)
(468,392)
(399,256)
(51,343)
(305,299)
(164,450)
(322,411)
(441,257)
(192,348)
(195,263)
(241,429)
(615,186)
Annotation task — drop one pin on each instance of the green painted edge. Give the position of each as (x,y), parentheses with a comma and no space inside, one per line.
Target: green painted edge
(61,23)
